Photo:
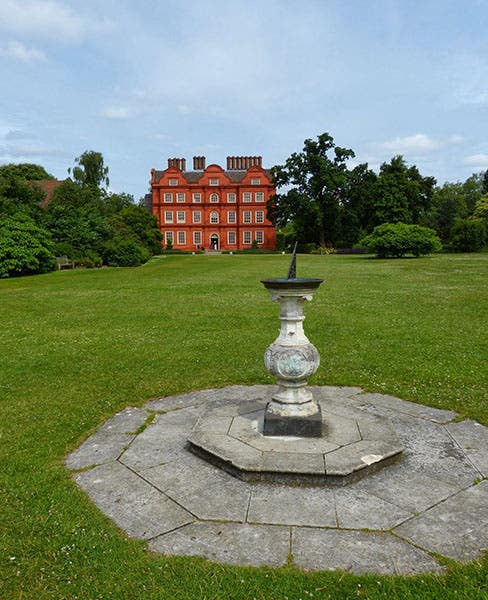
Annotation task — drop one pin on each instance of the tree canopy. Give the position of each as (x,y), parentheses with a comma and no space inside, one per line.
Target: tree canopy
(90,170)
(82,221)
(316,179)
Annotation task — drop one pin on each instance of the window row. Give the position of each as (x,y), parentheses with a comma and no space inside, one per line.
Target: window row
(247,216)
(247,237)
(231,197)
(214,181)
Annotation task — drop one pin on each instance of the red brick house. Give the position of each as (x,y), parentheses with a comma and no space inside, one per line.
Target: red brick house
(213,208)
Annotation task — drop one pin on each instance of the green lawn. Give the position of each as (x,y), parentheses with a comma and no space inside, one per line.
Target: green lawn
(78,346)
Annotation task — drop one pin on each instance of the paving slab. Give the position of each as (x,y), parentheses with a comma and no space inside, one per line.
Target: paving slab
(359,510)
(102,447)
(409,489)
(204,490)
(154,488)
(358,552)
(126,421)
(430,449)
(472,437)
(413,409)
(133,504)
(154,447)
(457,528)
(231,543)
(286,505)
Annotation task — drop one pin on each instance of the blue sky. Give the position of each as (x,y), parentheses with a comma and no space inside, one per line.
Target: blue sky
(142,81)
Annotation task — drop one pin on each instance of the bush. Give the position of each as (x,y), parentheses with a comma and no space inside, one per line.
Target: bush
(25,248)
(90,260)
(118,252)
(468,235)
(398,239)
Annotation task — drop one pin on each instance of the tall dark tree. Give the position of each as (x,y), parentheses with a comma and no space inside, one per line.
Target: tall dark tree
(357,206)
(316,180)
(90,170)
(485,183)
(402,194)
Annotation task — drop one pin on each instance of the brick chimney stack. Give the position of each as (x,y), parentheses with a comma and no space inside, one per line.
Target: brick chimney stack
(199,163)
(178,163)
(240,163)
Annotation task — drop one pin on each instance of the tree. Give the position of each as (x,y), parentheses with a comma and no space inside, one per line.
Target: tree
(357,206)
(402,194)
(468,235)
(25,248)
(90,170)
(25,171)
(17,196)
(481,209)
(398,239)
(317,179)
(485,183)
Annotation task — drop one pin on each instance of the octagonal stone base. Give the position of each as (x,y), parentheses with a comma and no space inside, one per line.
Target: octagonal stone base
(354,444)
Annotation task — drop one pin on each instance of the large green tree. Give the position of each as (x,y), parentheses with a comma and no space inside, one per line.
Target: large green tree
(25,247)
(25,171)
(90,170)
(402,194)
(315,181)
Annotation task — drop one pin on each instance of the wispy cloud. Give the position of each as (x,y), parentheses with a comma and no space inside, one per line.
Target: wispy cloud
(479,161)
(49,19)
(30,151)
(116,112)
(418,144)
(46,18)
(17,51)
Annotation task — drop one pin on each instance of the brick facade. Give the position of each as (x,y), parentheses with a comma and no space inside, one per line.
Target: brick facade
(213,208)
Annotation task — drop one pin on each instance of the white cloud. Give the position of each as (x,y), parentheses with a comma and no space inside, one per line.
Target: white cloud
(410,144)
(46,18)
(477,160)
(17,51)
(49,19)
(116,112)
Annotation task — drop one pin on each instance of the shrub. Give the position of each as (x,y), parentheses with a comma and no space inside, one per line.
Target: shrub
(118,252)
(468,235)
(398,239)
(25,248)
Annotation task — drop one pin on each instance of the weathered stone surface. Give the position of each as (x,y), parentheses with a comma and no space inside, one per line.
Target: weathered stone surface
(213,424)
(472,437)
(232,543)
(401,485)
(133,504)
(175,498)
(410,408)
(361,456)
(228,449)
(294,462)
(283,505)
(103,446)
(429,449)
(154,447)
(178,420)
(358,552)
(334,393)
(126,421)
(205,491)
(360,510)
(457,528)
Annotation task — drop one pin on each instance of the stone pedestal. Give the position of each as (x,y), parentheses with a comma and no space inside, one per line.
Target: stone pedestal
(291,358)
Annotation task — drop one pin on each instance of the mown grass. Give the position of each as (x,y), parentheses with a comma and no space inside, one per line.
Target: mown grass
(78,346)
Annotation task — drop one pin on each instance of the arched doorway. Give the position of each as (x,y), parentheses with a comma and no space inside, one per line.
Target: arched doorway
(214,242)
